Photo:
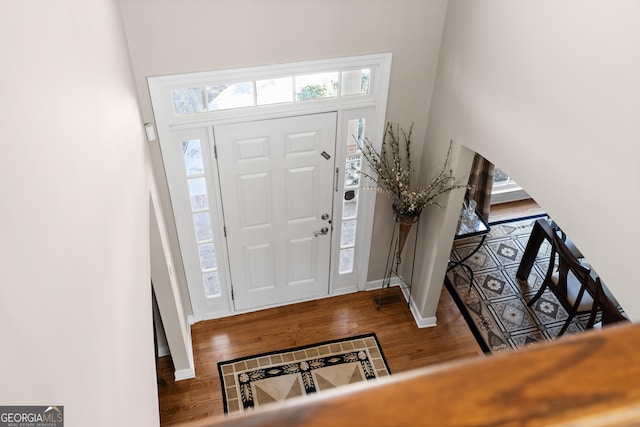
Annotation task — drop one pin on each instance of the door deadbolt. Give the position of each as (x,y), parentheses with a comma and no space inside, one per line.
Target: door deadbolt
(325,155)
(325,216)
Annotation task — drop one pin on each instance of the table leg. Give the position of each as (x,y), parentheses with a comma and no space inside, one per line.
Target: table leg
(538,234)
(463,264)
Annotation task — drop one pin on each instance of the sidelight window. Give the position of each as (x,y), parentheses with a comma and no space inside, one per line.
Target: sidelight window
(200,211)
(351,190)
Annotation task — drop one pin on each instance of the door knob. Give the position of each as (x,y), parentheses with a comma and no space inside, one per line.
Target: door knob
(322,232)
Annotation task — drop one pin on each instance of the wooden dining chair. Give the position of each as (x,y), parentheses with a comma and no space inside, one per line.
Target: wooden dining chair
(605,303)
(568,282)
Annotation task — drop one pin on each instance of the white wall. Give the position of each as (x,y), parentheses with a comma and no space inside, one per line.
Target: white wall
(75,300)
(550,92)
(180,36)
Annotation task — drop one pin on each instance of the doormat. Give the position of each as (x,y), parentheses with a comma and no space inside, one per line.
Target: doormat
(250,382)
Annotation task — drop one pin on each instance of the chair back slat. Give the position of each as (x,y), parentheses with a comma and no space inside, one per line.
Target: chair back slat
(610,313)
(567,262)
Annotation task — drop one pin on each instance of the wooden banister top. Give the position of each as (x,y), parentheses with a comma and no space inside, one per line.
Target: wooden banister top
(590,379)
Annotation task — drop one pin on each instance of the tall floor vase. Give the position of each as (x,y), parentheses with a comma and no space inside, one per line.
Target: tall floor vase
(402,227)
(404,224)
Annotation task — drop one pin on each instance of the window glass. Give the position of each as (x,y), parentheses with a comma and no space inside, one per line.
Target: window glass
(211,284)
(207,257)
(270,91)
(355,133)
(224,97)
(274,91)
(500,178)
(198,194)
(315,86)
(193,157)
(202,226)
(352,171)
(355,82)
(348,234)
(346,261)
(350,204)
(188,100)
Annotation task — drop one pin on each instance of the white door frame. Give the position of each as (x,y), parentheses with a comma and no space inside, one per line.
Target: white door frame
(371,106)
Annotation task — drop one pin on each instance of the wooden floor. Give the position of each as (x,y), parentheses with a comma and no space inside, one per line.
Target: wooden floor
(404,344)
(518,209)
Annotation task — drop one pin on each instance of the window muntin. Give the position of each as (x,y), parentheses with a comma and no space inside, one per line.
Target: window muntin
(351,191)
(277,90)
(200,210)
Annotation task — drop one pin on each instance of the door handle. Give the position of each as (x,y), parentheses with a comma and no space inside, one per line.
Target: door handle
(322,232)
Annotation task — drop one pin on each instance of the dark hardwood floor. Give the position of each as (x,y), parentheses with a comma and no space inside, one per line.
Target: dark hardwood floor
(405,345)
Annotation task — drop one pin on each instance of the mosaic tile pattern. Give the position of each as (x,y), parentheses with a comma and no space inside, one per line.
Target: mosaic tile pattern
(496,303)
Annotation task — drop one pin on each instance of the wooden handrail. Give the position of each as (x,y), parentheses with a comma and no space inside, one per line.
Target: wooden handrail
(591,379)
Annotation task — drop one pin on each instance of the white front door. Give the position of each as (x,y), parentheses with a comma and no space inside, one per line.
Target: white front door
(277,180)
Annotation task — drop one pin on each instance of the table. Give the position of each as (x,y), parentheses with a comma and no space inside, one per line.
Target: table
(541,231)
(470,225)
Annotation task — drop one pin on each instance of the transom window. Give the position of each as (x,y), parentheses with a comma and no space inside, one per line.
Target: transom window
(216,96)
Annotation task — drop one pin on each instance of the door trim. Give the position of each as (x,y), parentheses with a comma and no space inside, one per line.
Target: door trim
(373,105)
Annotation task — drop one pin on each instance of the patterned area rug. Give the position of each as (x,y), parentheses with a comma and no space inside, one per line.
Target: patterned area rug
(495,306)
(271,377)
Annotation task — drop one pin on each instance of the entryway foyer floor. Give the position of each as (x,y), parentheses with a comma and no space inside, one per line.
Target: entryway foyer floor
(405,345)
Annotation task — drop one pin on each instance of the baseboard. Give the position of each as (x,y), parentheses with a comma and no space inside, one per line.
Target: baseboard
(422,322)
(377,284)
(343,291)
(190,372)
(163,350)
(184,374)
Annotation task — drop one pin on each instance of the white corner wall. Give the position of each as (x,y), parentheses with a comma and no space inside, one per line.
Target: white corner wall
(550,92)
(75,299)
